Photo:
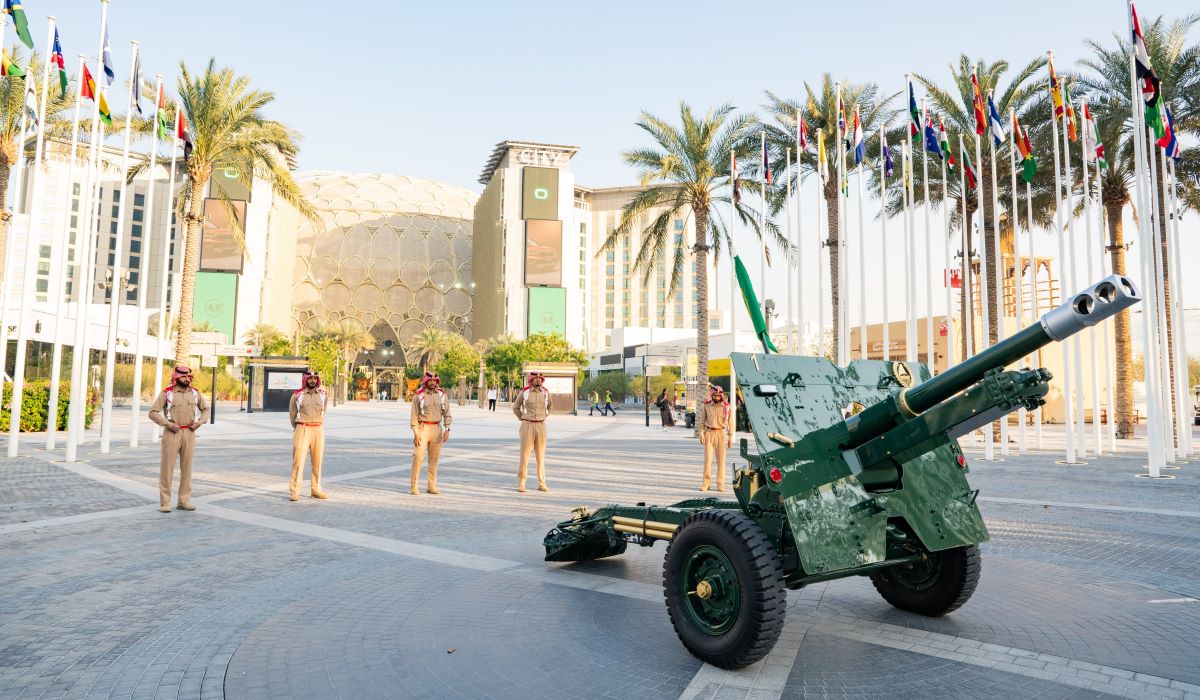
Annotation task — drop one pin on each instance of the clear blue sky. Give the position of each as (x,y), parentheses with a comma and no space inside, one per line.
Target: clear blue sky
(427,88)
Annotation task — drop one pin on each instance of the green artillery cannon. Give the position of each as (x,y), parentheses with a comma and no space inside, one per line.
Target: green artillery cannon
(858,471)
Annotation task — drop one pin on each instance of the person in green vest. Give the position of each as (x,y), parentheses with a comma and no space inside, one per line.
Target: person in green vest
(608,404)
(595,399)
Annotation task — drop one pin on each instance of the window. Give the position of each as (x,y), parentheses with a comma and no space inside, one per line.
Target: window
(43,268)
(608,311)
(139,199)
(43,286)
(134,276)
(644,311)
(112,227)
(625,283)
(678,238)
(75,189)
(609,284)
(116,196)
(136,230)
(116,210)
(134,262)
(74,221)
(611,269)
(137,214)
(111,259)
(610,297)
(582,227)
(610,255)
(662,297)
(131,295)
(608,324)
(135,246)
(112,243)
(713,324)
(625,269)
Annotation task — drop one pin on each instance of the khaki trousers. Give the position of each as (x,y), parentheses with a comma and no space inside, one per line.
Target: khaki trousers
(533,437)
(307,440)
(429,439)
(715,444)
(182,445)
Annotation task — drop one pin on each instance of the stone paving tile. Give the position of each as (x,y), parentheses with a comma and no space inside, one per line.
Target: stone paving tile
(32,489)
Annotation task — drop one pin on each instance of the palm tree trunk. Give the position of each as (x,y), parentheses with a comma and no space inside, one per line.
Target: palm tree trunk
(191,260)
(701,250)
(1123,346)
(5,214)
(832,213)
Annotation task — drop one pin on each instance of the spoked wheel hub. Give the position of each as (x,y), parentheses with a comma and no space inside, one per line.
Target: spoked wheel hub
(714,596)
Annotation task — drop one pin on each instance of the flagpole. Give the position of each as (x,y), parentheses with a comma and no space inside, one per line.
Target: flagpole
(968,293)
(1068,404)
(1071,277)
(911,341)
(1158,220)
(887,341)
(733,285)
(1182,417)
(114,306)
(862,260)
(842,323)
(787,173)
(148,237)
(81,353)
(1033,300)
(63,269)
(930,355)
(799,274)
(985,335)
(181,244)
(163,316)
(1181,329)
(762,233)
(1091,273)
(996,274)
(1108,350)
(1014,219)
(951,349)
(821,243)
(32,239)
(14,177)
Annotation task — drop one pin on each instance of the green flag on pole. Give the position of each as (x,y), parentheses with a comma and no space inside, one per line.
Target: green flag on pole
(748,296)
(20,23)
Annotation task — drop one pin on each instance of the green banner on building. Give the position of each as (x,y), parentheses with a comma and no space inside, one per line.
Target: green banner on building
(548,310)
(216,302)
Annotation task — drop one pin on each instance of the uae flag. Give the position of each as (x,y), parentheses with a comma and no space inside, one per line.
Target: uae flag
(1028,163)
(968,170)
(181,133)
(748,296)
(1147,78)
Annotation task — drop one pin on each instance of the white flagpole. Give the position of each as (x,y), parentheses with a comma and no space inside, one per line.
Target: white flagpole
(911,340)
(1033,301)
(1071,275)
(887,341)
(1183,417)
(733,287)
(63,269)
(14,179)
(1014,219)
(1091,273)
(843,315)
(997,274)
(968,293)
(143,289)
(787,173)
(904,220)
(985,335)
(163,316)
(1164,326)
(1068,403)
(86,249)
(800,348)
(951,349)
(930,355)
(821,243)
(114,307)
(1181,325)
(1156,274)
(32,240)
(1106,268)
(762,235)
(862,259)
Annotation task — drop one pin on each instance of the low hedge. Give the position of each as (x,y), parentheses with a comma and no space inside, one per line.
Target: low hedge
(34,400)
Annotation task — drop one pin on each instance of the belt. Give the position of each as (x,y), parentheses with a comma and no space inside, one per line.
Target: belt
(430,422)
(311,425)
(716,428)
(534,421)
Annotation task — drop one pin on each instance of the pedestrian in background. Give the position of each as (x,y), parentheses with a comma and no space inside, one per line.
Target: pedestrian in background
(491,399)
(608,404)
(664,410)
(716,434)
(307,412)
(595,399)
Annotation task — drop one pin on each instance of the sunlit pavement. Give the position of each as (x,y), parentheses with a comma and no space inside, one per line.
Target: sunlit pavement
(1090,581)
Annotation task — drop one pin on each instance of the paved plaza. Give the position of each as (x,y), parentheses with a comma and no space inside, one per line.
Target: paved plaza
(1089,589)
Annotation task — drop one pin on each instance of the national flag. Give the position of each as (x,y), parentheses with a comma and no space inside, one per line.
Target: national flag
(997,127)
(841,108)
(181,133)
(137,83)
(887,156)
(977,104)
(748,296)
(56,59)
(1028,163)
(1071,133)
(822,163)
(8,68)
(1147,77)
(1168,134)
(164,118)
(766,162)
(945,144)
(1055,91)
(31,105)
(860,145)
(931,140)
(106,55)
(20,23)
(89,91)
(1172,143)
(914,127)
(801,133)
(737,192)
(1093,146)
(968,170)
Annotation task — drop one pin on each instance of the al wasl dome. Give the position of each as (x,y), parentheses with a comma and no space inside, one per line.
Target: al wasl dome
(390,252)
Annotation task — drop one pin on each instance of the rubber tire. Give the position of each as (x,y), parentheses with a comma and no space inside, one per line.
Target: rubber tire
(760,577)
(959,575)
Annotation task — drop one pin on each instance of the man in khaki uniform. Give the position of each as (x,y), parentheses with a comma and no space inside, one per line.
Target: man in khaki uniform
(307,413)
(716,434)
(180,410)
(430,420)
(532,406)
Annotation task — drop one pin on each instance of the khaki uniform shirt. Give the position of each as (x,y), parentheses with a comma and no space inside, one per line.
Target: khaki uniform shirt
(311,407)
(533,404)
(714,416)
(187,406)
(430,407)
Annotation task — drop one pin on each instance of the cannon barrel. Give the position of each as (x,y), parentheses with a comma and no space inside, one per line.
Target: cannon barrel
(1098,302)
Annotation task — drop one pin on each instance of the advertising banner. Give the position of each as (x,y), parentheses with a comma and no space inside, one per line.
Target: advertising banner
(547,310)
(543,253)
(219,247)
(539,194)
(216,301)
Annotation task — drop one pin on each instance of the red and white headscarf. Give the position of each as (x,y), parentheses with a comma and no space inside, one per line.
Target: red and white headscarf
(421,392)
(529,385)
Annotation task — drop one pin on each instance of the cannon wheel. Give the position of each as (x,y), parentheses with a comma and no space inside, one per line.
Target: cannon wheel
(723,583)
(939,585)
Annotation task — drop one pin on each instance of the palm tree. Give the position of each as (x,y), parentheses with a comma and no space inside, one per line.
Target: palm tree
(955,104)
(229,131)
(428,345)
(681,177)
(262,335)
(1107,84)
(820,111)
